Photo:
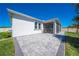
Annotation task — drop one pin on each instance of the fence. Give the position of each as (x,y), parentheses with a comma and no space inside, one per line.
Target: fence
(69,30)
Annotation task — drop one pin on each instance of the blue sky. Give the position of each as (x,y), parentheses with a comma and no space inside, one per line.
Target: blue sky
(64,12)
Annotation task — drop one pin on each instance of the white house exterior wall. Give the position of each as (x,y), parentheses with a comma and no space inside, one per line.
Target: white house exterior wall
(23,27)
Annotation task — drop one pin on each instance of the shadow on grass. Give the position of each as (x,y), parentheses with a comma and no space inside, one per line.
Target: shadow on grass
(69,39)
(73,41)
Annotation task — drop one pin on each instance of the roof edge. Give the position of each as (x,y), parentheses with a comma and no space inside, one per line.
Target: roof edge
(21,14)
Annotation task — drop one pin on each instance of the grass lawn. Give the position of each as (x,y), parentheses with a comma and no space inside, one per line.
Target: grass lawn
(7,47)
(72,44)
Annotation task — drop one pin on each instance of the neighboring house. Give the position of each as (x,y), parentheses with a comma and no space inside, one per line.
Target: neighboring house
(26,25)
(5,29)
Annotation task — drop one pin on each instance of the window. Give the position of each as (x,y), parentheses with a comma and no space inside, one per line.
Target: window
(51,25)
(39,25)
(35,25)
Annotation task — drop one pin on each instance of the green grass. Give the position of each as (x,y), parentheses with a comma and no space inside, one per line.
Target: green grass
(6,44)
(7,47)
(72,44)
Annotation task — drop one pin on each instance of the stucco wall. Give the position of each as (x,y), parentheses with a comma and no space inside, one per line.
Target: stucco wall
(23,27)
(57,28)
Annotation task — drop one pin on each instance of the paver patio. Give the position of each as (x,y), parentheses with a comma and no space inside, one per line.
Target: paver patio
(42,44)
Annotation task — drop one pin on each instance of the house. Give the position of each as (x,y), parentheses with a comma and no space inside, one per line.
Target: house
(26,25)
(5,29)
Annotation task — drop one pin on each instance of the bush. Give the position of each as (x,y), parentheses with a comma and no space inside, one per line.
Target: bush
(5,35)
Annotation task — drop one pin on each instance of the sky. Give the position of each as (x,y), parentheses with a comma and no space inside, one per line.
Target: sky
(43,11)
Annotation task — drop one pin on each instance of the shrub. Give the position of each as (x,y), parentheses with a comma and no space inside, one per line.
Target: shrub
(5,35)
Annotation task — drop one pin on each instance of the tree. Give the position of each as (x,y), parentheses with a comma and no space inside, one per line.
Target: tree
(76,22)
(76,18)
(77,8)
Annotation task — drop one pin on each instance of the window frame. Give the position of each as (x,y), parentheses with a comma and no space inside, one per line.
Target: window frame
(35,26)
(39,25)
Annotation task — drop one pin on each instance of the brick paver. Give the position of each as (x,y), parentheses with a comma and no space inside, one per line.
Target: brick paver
(42,44)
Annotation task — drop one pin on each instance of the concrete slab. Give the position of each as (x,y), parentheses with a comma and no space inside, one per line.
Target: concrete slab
(42,44)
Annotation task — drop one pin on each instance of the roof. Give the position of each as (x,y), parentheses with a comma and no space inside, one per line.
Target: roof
(12,13)
(52,20)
